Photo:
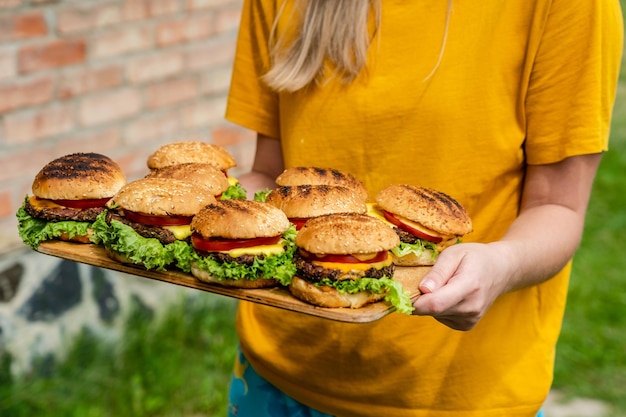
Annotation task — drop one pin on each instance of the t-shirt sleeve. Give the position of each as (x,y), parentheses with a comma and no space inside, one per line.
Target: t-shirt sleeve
(251,103)
(573,82)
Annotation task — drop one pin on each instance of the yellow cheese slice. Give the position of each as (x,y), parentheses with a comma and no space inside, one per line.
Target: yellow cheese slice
(42,203)
(266,250)
(180,232)
(232,181)
(375,211)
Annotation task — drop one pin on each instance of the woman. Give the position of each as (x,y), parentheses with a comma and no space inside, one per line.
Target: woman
(506,106)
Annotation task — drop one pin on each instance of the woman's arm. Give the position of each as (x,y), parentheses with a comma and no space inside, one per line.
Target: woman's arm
(268,164)
(467,278)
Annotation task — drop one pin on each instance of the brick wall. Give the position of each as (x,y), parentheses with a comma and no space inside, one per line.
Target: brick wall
(118,77)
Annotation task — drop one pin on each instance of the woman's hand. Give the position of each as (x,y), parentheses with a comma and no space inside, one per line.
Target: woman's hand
(462,285)
(467,278)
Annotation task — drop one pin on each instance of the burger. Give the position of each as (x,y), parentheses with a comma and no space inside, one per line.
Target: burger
(321,176)
(426,221)
(148,223)
(183,152)
(68,194)
(343,260)
(203,175)
(302,202)
(243,244)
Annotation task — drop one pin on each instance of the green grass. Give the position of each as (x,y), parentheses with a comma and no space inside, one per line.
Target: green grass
(591,354)
(178,365)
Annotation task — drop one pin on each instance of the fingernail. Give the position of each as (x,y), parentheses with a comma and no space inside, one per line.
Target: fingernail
(428,285)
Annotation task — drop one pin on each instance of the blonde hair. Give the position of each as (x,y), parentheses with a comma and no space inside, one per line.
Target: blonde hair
(337,31)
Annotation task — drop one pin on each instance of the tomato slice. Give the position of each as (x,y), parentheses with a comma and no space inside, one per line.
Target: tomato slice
(345,259)
(83,204)
(216,244)
(298,222)
(157,220)
(407,228)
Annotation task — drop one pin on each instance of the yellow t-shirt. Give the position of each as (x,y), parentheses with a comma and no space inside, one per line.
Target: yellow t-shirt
(521,82)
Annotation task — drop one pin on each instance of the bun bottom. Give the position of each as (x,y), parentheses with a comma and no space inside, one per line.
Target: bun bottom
(426,258)
(325,296)
(119,257)
(236,283)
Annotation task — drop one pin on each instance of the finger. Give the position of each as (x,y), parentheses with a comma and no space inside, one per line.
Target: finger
(439,274)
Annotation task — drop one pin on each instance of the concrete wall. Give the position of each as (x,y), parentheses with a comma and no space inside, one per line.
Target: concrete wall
(117,77)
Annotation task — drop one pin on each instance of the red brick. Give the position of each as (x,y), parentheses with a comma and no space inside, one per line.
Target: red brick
(14,27)
(240,142)
(7,4)
(122,41)
(211,4)
(8,65)
(101,141)
(110,106)
(88,17)
(184,30)
(163,7)
(33,126)
(203,114)
(24,94)
(152,127)
(6,203)
(23,164)
(171,92)
(155,67)
(142,9)
(211,53)
(51,55)
(133,163)
(216,81)
(229,135)
(227,20)
(88,81)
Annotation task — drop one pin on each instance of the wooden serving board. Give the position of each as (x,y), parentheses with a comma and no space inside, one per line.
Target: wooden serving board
(277,297)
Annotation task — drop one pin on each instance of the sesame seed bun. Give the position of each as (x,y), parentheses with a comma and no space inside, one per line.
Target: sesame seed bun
(205,175)
(433,209)
(346,233)
(306,201)
(191,151)
(239,219)
(321,176)
(162,197)
(79,176)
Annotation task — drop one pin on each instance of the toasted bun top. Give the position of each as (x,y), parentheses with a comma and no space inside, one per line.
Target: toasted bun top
(162,197)
(433,209)
(321,176)
(192,151)
(205,175)
(305,201)
(239,219)
(79,176)
(346,233)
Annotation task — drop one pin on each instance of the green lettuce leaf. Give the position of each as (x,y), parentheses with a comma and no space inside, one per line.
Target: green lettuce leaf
(393,290)
(418,248)
(234,192)
(261,195)
(33,231)
(149,252)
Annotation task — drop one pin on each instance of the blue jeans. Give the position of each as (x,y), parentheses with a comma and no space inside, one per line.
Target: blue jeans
(252,396)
